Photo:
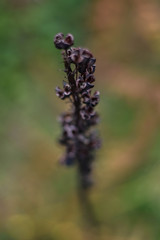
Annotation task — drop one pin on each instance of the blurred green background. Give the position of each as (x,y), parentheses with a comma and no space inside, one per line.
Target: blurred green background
(38,197)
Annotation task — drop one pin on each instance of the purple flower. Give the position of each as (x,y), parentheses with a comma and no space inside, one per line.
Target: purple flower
(69,158)
(90,78)
(67,89)
(65,118)
(86,96)
(80,84)
(84,115)
(87,112)
(94,141)
(70,131)
(95,99)
(60,93)
(94,119)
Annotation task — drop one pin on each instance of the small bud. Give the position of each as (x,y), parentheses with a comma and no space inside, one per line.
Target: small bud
(62,43)
(58,40)
(86,53)
(59,37)
(69,40)
(76,56)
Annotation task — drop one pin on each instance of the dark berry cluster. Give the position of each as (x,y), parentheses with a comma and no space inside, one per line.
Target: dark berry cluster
(78,136)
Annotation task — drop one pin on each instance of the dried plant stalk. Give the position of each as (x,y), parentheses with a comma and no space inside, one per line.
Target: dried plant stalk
(78,134)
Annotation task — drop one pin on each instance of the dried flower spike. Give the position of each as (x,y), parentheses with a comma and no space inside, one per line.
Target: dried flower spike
(79,138)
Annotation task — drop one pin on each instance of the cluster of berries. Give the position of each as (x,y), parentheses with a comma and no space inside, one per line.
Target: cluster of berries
(77,135)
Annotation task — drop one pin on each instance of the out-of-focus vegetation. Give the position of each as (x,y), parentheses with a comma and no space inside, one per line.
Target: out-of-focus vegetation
(38,198)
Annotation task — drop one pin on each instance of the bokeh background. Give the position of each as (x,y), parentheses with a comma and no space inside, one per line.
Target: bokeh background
(38,197)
